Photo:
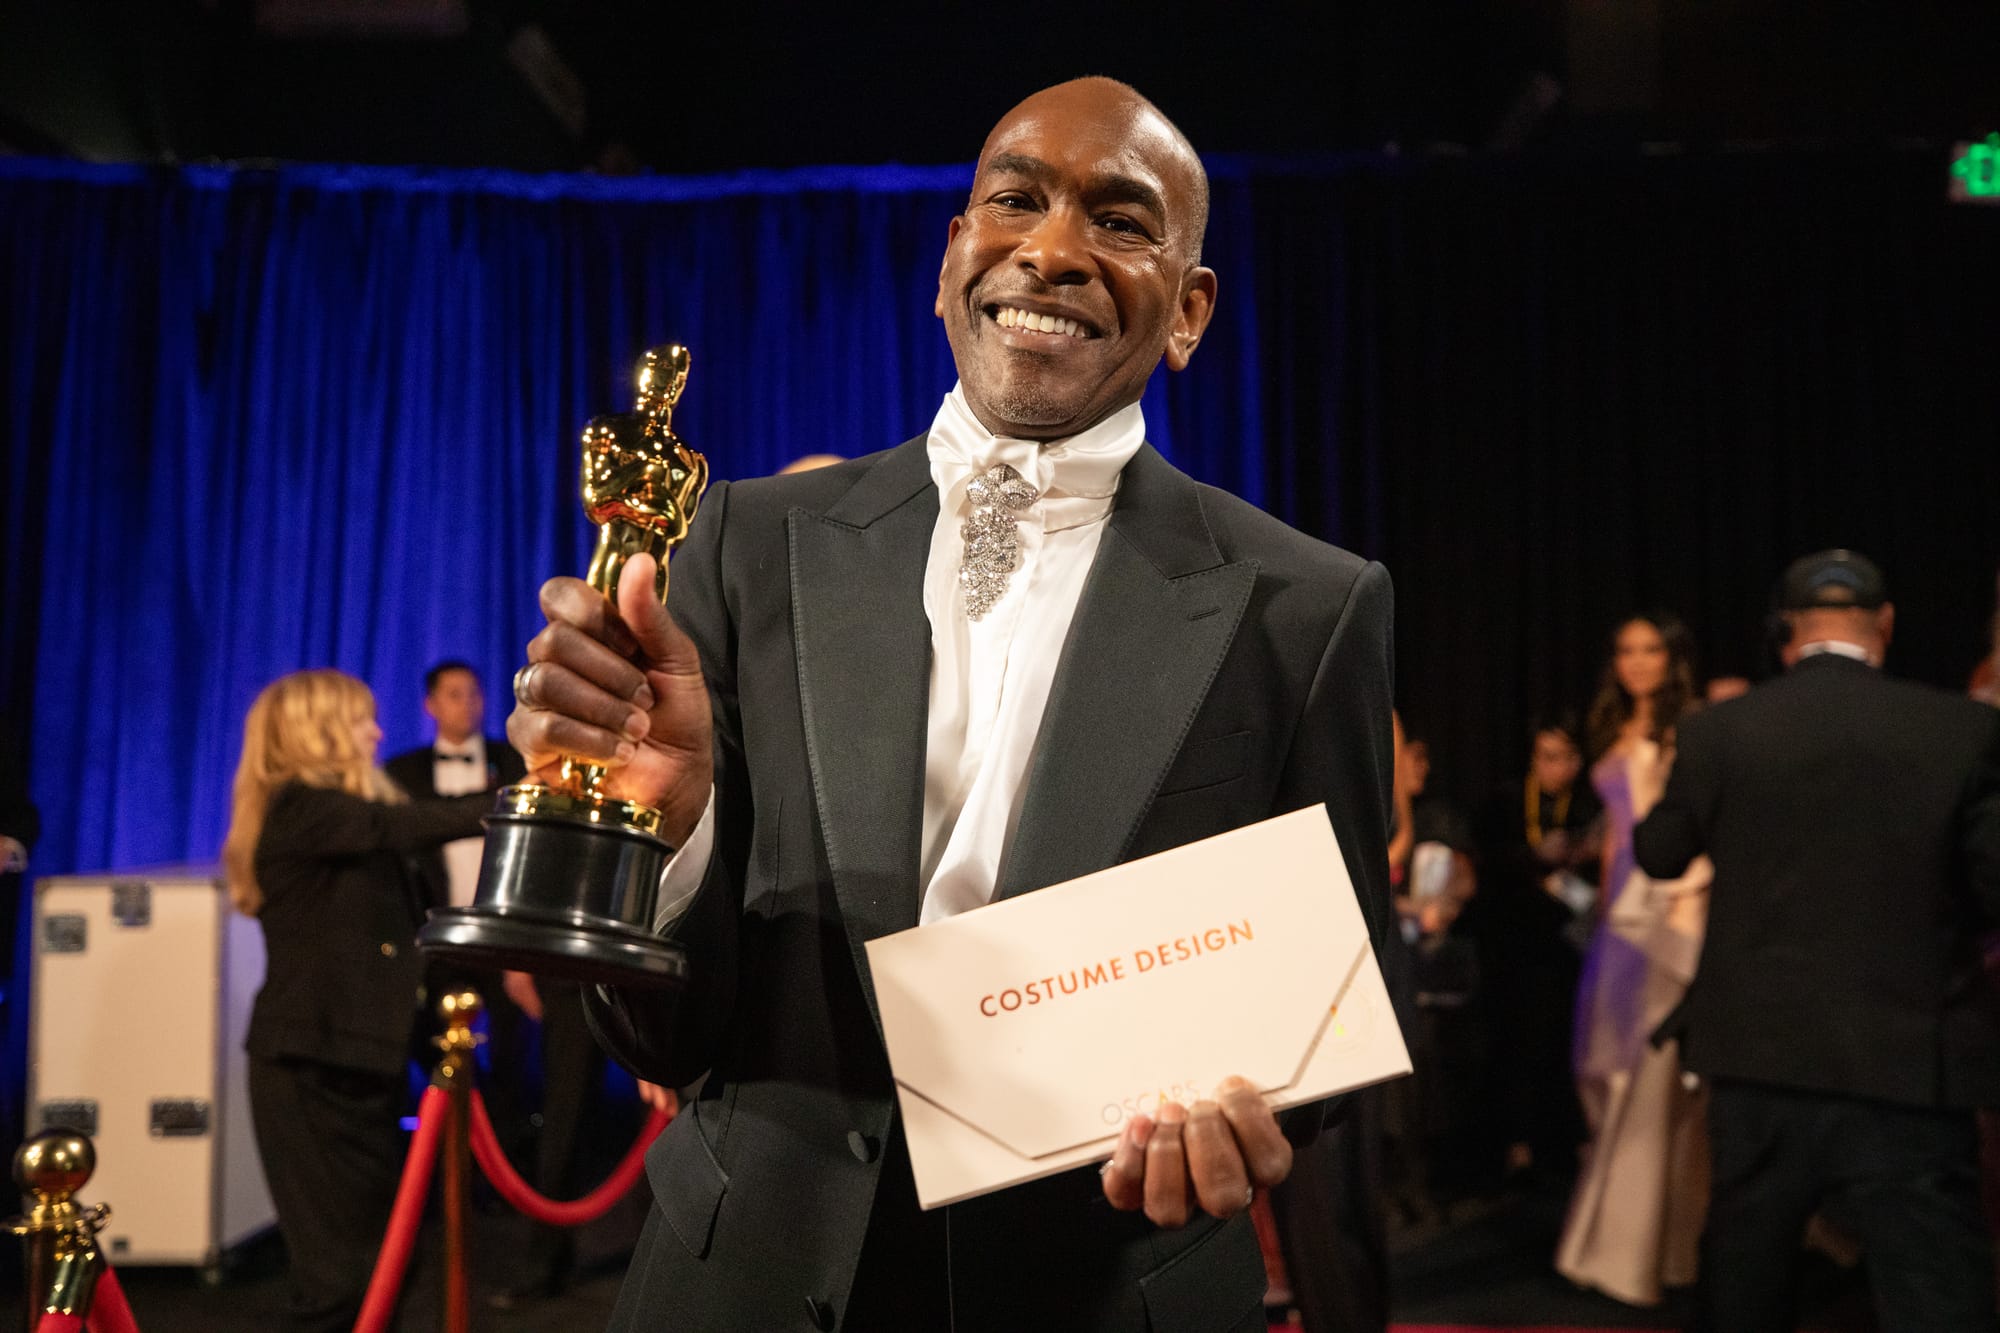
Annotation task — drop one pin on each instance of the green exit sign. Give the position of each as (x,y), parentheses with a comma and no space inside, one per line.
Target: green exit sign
(1975,171)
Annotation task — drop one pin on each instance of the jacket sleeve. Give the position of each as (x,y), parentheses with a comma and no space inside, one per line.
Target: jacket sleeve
(312,823)
(411,770)
(1342,751)
(671,1037)
(1342,754)
(1676,831)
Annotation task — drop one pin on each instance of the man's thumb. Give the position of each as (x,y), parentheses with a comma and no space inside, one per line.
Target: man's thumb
(661,642)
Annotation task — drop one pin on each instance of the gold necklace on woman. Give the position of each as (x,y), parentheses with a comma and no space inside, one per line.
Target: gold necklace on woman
(1534,803)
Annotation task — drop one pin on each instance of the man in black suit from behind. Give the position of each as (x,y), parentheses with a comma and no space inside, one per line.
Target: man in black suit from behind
(1838,1011)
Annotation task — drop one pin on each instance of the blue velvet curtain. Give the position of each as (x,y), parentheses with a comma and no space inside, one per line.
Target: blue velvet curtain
(264,419)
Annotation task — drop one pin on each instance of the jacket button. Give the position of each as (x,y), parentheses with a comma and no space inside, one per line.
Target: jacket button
(820,1310)
(388,950)
(863,1147)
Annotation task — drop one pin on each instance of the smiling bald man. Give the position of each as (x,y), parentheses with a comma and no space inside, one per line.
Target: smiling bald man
(1016,649)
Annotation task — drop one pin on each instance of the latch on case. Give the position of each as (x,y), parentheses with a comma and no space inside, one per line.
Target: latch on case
(184,1118)
(78,1115)
(132,903)
(65,932)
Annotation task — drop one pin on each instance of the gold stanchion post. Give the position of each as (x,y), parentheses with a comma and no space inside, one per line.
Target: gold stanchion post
(455,1074)
(58,1235)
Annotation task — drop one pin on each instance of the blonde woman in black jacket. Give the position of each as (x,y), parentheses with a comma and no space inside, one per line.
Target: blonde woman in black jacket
(318,851)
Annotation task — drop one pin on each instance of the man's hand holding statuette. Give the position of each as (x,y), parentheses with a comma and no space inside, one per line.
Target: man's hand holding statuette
(620,687)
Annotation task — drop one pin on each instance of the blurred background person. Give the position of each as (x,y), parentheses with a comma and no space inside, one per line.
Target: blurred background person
(1985,687)
(1432,875)
(1330,1216)
(461,758)
(319,850)
(1721,689)
(810,463)
(1443,880)
(20,825)
(1985,683)
(537,1127)
(1539,848)
(1430,856)
(1839,1013)
(1634,1222)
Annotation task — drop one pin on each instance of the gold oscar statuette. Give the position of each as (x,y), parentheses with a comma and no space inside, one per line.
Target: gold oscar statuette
(570,873)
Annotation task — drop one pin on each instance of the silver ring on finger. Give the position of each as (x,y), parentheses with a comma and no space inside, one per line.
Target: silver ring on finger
(521,680)
(1249,1196)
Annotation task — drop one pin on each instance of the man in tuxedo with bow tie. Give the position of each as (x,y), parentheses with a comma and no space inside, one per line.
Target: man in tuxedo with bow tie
(462,759)
(1014,650)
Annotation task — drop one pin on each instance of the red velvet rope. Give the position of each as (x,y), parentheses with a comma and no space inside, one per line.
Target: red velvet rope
(493,1161)
(109,1312)
(394,1259)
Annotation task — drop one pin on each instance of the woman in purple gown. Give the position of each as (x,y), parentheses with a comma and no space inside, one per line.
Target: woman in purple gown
(1635,1219)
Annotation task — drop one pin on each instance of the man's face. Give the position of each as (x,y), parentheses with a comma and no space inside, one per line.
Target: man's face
(1083,215)
(1556,762)
(457,706)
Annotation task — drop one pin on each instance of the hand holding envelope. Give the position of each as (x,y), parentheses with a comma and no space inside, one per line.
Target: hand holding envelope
(1226,1149)
(1080,1022)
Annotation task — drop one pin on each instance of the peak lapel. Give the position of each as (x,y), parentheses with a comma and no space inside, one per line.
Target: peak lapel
(863,648)
(1155,620)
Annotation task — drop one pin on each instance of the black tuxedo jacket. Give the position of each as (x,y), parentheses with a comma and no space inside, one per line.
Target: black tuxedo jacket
(1221,669)
(415,771)
(1854,821)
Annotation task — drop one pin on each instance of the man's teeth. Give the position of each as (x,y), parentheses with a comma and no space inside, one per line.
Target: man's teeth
(1007,317)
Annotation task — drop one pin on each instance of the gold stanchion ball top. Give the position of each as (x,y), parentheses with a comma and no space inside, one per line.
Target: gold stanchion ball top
(54,1166)
(460,1007)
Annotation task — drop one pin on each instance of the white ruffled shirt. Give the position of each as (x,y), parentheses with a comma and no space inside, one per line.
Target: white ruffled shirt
(990,678)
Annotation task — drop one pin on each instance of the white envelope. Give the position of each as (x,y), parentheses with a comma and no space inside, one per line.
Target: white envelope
(1023,1035)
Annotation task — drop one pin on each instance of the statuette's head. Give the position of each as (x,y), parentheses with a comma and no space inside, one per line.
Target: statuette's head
(663,373)
(636,470)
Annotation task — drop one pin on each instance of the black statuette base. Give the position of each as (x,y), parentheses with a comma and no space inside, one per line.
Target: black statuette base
(565,899)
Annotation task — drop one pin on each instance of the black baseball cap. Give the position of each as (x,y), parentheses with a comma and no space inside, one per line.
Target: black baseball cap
(1832,578)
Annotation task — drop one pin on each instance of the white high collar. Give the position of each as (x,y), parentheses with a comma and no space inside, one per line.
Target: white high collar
(1077,476)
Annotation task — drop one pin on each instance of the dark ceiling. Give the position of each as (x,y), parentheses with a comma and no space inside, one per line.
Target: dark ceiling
(620,85)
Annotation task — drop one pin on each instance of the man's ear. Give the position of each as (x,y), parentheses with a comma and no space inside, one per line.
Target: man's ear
(1197,308)
(430,709)
(950,236)
(1885,622)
